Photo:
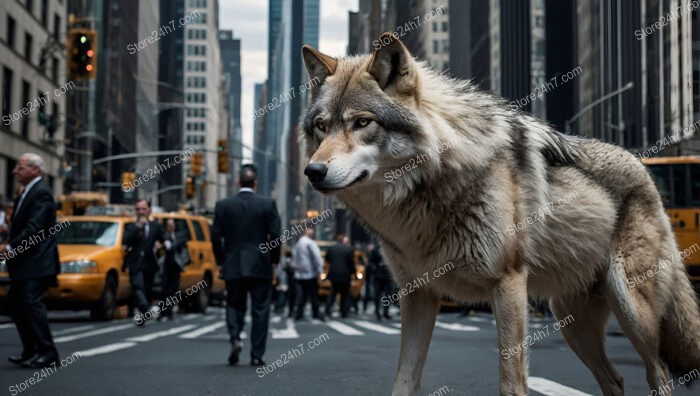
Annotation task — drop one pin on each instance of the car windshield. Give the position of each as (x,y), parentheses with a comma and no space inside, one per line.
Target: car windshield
(101,233)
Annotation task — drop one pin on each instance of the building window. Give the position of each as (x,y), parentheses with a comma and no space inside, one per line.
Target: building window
(11,32)
(444,26)
(45,13)
(446,45)
(436,46)
(28,44)
(434,26)
(30,6)
(54,70)
(24,128)
(6,91)
(57,26)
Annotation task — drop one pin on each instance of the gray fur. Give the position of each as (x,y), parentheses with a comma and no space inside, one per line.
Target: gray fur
(501,167)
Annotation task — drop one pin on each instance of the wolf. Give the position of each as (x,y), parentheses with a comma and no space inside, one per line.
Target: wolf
(490,167)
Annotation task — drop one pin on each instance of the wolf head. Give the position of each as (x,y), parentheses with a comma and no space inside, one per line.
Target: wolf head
(363,122)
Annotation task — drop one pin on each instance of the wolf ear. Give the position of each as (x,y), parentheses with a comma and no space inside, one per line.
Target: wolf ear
(318,66)
(393,65)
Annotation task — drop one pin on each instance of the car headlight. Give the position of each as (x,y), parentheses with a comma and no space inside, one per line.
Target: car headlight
(79,267)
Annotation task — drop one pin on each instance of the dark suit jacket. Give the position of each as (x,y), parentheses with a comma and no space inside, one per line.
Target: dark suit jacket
(241,224)
(341,259)
(31,224)
(171,256)
(379,269)
(140,254)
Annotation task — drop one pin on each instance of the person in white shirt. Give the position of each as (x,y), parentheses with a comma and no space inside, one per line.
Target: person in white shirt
(308,265)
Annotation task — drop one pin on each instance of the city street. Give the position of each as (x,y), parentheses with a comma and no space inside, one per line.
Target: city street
(354,356)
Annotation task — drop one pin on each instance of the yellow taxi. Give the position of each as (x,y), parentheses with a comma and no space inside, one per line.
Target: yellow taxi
(91,255)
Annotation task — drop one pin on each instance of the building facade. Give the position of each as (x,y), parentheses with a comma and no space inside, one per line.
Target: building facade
(34,89)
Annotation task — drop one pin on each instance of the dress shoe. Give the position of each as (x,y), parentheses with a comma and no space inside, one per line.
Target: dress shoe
(41,361)
(22,358)
(257,362)
(235,351)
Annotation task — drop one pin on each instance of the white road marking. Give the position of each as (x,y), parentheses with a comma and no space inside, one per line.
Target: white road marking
(288,333)
(206,318)
(477,319)
(203,330)
(397,325)
(456,326)
(103,330)
(105,349)
(158,334)
(275,319)
(344,329)
(73,330)
(7,326)
(551,388)
(376,327)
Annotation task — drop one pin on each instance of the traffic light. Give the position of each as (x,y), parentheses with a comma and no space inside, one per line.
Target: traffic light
(128,179)
(82,56)
(196,165)
(223,156)
(189,188)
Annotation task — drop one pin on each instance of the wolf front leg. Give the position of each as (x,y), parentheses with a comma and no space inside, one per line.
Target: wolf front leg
(510,310)
(418,312)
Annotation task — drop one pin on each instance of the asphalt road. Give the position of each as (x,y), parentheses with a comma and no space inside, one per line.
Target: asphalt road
(355,356)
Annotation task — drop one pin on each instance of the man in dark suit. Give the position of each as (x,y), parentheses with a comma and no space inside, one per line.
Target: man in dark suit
(341,260)
(382,282)
(142,239)
(173,264)
(32,262)
(245,239)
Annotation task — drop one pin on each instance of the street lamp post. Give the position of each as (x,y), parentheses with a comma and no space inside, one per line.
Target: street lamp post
(567,123)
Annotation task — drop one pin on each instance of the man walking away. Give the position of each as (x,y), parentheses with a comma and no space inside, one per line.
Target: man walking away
(176,258)
(243,224)
(341,259)
(32,270)
(308,265)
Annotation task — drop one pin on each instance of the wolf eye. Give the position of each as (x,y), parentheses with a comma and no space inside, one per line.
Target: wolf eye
(321,126)
(361,122)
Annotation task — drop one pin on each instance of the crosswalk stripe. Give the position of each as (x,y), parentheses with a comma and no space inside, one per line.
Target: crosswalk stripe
(7,326)
(376,327)
(456,326)
(158,334)
(73,330)
(203,330)
(105,349)
(103,330)
(344,329)
(288,333)
(551,388)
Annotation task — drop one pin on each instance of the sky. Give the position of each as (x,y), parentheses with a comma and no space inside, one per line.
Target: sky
(248,20)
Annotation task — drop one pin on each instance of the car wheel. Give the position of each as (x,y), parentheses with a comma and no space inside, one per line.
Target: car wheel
(201,299)
(104,309)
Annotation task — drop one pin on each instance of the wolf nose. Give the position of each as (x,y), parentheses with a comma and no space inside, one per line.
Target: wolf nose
(316,171)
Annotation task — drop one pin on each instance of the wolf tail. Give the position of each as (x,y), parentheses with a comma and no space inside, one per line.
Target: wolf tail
(560,149)
(680,331)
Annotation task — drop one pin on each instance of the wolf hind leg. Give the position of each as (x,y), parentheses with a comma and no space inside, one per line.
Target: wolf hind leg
(586,336)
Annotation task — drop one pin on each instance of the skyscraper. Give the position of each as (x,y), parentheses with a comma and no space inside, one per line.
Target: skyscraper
(231,59)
